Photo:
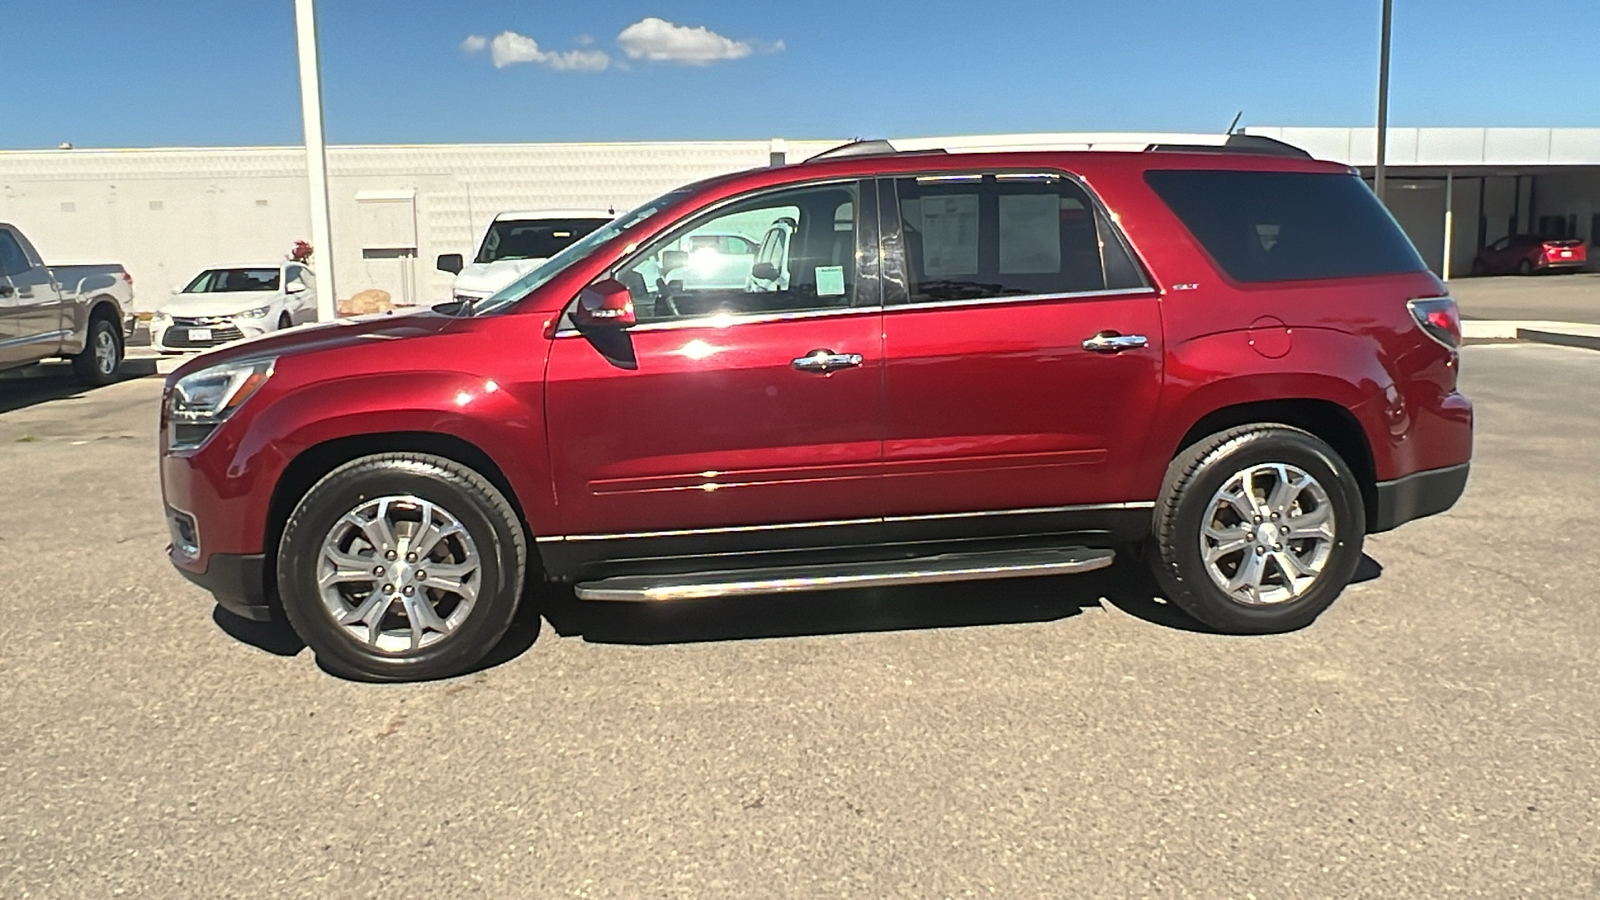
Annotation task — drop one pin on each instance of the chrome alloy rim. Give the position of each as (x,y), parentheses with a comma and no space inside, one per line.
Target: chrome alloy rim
(399,573)
(1267,535)
(105,351)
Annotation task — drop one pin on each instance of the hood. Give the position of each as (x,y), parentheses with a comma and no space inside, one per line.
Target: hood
(492,276)
(326,336)
(219,304)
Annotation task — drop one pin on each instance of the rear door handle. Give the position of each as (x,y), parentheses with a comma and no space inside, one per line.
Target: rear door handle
(1111,342)
(825,361)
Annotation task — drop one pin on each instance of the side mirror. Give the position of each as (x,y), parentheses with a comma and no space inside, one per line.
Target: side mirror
(764,271)
(295,287)
(177,290)
(604,304)
(451,262)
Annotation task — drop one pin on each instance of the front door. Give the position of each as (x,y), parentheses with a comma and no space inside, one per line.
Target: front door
(1022,349)
(30,305)
(748,404)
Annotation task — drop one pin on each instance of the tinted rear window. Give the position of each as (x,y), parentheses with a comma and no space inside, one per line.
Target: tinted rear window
(1286,226)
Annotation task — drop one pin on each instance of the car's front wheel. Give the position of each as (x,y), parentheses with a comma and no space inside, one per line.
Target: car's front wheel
(1257,529)
(401,567)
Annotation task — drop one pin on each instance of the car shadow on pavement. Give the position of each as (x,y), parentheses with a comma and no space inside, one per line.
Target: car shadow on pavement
(55,381)
(1126,585)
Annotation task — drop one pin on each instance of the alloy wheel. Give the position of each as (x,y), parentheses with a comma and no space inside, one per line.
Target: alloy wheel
(399,573)
(1267,534)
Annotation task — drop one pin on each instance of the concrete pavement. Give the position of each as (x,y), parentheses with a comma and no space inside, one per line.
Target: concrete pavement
(1434,734)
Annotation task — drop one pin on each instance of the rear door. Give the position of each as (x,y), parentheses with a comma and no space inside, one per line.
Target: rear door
(1022,351)
(747,412)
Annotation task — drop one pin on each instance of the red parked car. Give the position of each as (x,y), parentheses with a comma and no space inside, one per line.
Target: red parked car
(950,367)
(1525,254)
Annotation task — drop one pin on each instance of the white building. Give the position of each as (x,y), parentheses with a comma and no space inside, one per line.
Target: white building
(167,213)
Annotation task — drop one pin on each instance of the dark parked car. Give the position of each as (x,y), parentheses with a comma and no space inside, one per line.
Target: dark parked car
(960,367)
(1525,254)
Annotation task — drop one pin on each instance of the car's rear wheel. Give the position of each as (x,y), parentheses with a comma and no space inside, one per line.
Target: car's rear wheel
(401,567)
(102,354)
(1258,529)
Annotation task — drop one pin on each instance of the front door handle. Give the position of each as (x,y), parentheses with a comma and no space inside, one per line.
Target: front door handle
(825,361)
(1111,342)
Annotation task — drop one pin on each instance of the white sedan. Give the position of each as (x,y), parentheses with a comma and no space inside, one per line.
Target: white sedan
(233,303)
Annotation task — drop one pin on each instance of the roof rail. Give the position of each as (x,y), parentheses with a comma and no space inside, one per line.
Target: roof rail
(1236,143)
(873,147)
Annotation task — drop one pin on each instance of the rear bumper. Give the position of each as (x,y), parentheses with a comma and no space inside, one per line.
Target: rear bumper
(237,581)
(1417,495)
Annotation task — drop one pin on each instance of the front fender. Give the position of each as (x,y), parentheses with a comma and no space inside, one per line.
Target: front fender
(470,408)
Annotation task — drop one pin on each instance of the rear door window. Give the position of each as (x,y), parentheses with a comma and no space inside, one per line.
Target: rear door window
(999,234)
(1287,226)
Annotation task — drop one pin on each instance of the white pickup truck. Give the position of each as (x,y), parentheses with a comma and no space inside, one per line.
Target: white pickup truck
(514,244)
(82,313)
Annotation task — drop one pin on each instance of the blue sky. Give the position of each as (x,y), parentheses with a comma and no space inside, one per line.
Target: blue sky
(113,73)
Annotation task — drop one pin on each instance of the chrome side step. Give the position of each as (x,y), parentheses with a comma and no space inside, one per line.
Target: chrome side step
(787,579)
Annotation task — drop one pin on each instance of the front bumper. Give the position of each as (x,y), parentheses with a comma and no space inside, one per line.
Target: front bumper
(174,335)
(1417,495)
(236,581)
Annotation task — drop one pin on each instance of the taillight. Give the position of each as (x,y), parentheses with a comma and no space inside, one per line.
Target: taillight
(1439,317)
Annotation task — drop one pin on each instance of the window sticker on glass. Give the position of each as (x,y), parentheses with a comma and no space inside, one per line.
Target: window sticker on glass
(830,281)
(950,235)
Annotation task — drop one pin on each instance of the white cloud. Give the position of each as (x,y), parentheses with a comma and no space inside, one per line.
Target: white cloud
(661,41)
(474,43)
(509,48)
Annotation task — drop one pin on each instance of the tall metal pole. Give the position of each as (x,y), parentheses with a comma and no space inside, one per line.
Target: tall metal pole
(1383,101)
(1449,220)
(305,23)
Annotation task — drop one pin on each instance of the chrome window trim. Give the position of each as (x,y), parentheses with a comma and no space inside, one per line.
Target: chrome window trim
(787,526)
(1022,298)
(728,320)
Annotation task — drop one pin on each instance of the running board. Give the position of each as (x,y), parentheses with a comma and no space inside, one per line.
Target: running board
(788,579)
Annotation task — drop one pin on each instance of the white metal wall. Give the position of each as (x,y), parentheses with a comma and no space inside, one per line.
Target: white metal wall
(166,214)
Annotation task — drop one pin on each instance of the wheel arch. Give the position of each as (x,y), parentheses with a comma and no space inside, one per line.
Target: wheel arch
(1330,422)
(310,465)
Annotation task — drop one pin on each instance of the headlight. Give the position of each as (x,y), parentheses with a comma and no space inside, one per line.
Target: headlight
(202,400)
(258,313)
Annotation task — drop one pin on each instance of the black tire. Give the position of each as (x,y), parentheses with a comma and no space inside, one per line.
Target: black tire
(1478,267)
(1524,268)
(284,321)
(93,367)
(470,499)
(1196,476)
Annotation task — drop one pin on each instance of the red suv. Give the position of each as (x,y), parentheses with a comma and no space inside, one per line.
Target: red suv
(938,367)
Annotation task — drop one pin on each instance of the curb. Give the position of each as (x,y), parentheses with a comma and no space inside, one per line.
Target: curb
(1564,334)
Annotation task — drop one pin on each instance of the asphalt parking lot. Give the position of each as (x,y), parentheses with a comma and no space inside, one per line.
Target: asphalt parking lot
(1435,734)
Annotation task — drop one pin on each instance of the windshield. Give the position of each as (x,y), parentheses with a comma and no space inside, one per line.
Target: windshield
(228,281)
(557,264)
(533,238)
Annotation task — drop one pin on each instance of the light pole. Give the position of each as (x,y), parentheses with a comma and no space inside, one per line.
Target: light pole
(305,24)
(1383,100)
